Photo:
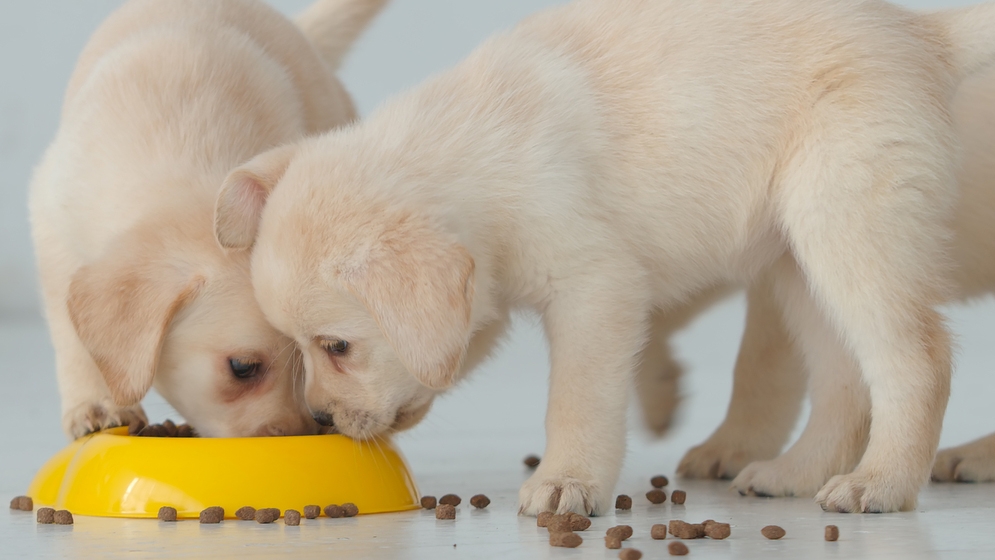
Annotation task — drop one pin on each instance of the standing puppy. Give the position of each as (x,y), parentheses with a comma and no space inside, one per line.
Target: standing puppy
(168,96)
(607,159)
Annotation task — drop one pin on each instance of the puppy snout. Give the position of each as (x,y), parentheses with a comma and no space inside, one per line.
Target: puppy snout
(324,418)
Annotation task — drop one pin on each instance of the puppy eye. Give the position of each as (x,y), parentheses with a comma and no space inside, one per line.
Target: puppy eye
(243,369)
(337,347)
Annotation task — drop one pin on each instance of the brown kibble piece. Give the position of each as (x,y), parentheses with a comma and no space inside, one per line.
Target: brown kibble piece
(559,524)
(445,511)
(267,515)
(292,517)
(659,481)
(46,516)
(578,522)
(717,531)
(684,530)
(678,497)
(658,532)
(63,517)
(531,461)
(428,502)
(542,520)
(622,532)
(22,503)
(630,554)
(213,514)
(334,511)
(167,513)
(565,540)
(480,501)
(832,533)
(450,499)
(311,512)
(170,428)
(773,532)
(613,543)
(247,513)
(350,509)
(184,430)
(677,548)
(623,502)
(656,496)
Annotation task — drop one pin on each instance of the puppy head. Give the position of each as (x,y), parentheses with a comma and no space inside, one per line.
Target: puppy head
(187,322)
(378,299)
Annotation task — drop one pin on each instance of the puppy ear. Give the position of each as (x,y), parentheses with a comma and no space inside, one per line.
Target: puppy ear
(243,196)
(419,289)
(121,311)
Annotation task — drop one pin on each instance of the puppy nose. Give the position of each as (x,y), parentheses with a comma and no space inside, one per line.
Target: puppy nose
(323,418)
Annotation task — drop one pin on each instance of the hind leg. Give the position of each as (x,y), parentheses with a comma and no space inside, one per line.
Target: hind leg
(971,462)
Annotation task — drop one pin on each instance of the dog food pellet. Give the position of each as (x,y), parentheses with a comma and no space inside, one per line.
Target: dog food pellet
(167,513)
(445,511)
(311,512)
(658,532)
(623,502)
(677,549)
(349,509)
(659,481)
(213,514)
(622,532)
(630,554)
(613,543)
(565,540)
(267,515)
(450,499)
(292,517)
(683,530)
(578,522)
(480,501)
(656,496)
(184,430)
(22,503)
(63,517)
(832,533)
(772,532)
(334,511)
(531,461)
(428,502)
(560,524)
(717,531)
(542,520)
(46,516)
(247,513)
(678,496)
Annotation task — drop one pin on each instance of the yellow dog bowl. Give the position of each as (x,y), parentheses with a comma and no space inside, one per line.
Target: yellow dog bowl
(112,474)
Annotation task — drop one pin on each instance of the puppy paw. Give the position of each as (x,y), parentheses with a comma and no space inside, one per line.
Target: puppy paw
(717,458)
(778,478)
(866,492)
(968,463)
(561,494)
(89,418)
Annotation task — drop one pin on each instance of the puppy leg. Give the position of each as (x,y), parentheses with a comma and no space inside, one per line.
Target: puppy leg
(768,388)
(836,434)
(971,462)
(595,334)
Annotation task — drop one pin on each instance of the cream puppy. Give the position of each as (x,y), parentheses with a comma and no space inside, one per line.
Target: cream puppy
(607,159)
(167,96)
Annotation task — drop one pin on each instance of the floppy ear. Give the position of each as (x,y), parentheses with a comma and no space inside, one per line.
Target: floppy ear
(243,196)
(419,289)
(121,307)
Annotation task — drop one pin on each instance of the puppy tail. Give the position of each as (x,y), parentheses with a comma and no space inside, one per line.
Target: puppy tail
(970,32)
(333,26)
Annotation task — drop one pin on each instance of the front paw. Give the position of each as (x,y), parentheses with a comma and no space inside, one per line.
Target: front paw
(562,494)
(968,463)
(717,458)
(867,492)
(88,418)
(777,478)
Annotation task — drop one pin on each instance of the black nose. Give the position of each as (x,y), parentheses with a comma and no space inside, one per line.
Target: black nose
(323,418)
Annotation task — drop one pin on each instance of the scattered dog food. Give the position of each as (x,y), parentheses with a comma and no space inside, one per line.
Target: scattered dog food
(684,530)
(22,503)
(659,481)
(213,514)
(167,513)
(630,554)
(658,532)
(445,511)
(560,524)
(480,501)
(247,513)
(428,502)
(334,511)
(450,499)
(621,531)
(63,517)
(46,516)
(311,512)
(656,496)
(678,497)
(565,540)
(832,533)
(773,532)
(267,515)
(677,548)
(542,520)
(613,543)
(578,522)
(531,461)
(717,531)
(350,509)
(292,517)
(623,502)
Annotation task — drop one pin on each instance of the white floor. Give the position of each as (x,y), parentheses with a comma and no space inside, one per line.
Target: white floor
(474,441)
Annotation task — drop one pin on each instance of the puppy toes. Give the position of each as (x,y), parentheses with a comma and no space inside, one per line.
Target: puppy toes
(778,478)
(92,417)
(715,459)
(866,492)
(963,464)
(562,494)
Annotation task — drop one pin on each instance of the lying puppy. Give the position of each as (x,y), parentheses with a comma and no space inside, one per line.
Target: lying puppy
(166,98)
(607,159)
(768,393)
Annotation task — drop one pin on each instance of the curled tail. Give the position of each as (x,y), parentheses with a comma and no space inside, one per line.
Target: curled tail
(333,26)
(970,32)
